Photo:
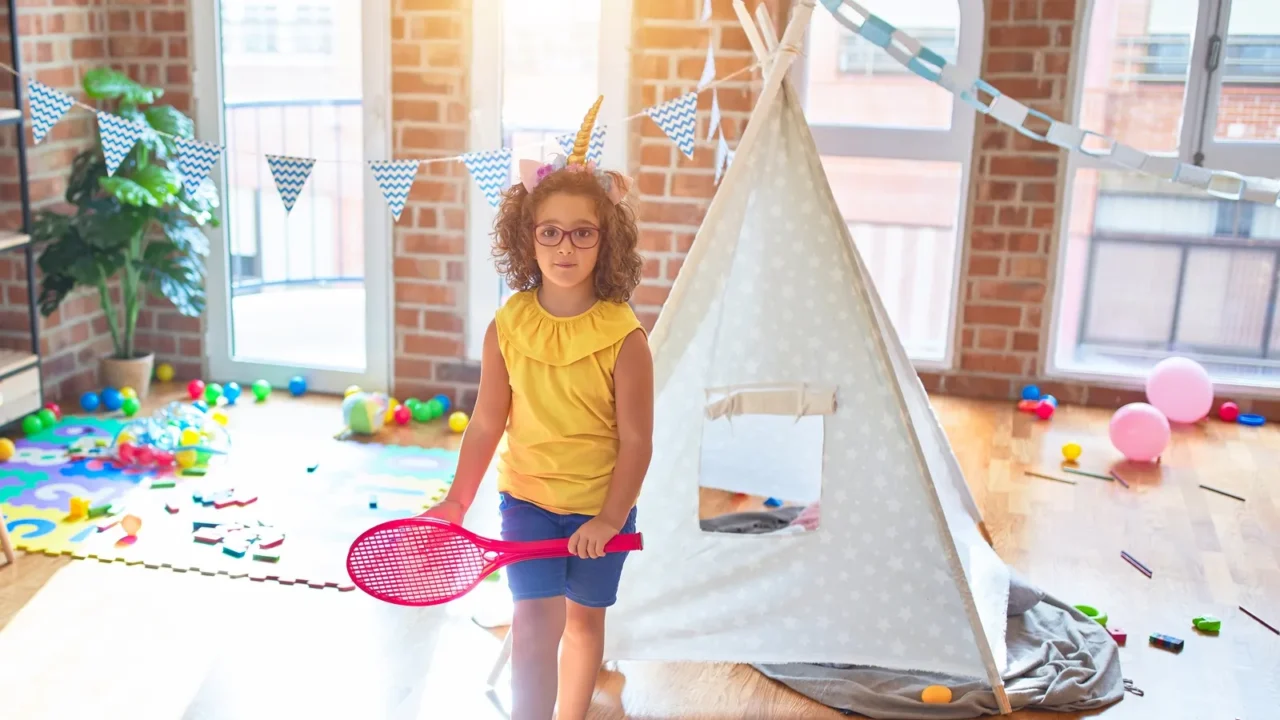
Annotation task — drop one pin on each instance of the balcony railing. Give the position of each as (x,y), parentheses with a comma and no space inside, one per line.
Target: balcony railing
(321,240)
(1245,59)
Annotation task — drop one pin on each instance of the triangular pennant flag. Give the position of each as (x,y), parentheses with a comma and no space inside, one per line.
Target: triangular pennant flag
(723,156)
(118,136)
(395,180)
(679,120)
(595,148)
(706,10)
(290,174)
(714,124)
(195,158)
(492,171)
(47,107)
(709,68)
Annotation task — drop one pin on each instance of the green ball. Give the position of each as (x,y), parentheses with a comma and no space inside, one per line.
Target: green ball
(47,418)
(412,403)
(421,412)
(32,424)
(261,389)
(435,407)
(211,393)
(130,407)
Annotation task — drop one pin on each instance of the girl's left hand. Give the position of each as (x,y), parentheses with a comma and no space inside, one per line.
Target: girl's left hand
(589,540)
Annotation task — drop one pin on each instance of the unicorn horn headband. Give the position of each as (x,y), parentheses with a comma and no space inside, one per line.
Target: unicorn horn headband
(616,186)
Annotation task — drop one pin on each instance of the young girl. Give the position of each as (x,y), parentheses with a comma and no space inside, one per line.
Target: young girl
(566,384)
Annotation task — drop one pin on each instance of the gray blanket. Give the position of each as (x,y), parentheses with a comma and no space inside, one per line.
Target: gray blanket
(1058,659)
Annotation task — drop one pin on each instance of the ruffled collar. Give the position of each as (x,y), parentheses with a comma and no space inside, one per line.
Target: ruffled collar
(558,341)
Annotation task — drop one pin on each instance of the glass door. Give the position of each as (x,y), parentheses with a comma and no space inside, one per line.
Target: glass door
(301,290)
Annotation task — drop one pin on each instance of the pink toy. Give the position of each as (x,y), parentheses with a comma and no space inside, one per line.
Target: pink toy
(1046,406)
(1229,412)
(1181,389)
(195,389)
(1140,432)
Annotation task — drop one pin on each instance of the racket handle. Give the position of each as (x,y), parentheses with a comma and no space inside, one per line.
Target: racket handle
(560,548)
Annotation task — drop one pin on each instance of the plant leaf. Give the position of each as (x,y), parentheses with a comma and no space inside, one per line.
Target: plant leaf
(105,83)
(129,192)
(187,238)
(86,170)
(174,275)
(162,183)
(167,119)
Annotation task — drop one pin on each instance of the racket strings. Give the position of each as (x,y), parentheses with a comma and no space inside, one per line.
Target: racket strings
(417,564)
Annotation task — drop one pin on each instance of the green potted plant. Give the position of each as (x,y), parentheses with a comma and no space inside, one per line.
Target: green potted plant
(136,229)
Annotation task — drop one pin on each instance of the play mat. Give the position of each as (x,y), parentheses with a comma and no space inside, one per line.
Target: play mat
(293,520)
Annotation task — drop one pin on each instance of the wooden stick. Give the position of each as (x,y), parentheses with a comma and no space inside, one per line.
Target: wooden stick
(1255,617)
(1086,473)
(1134,562)
(1222,492)
(1050,477)
(1119,479)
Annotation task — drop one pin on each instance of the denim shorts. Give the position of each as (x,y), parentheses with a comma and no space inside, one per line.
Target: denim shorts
(593,582)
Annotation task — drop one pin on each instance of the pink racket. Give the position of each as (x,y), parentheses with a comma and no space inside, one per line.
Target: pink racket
(426,561)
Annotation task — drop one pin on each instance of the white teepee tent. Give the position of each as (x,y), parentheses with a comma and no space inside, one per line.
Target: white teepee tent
(775,317)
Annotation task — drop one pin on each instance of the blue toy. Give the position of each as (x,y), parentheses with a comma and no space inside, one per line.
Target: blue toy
(1031,392)
(201,405)
(112,399)
(90,401)
(297,385)
(773,503)
(444,403)
(231,392)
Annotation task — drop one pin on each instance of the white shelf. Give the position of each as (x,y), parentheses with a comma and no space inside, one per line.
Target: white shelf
(9,114)
(9,239)
(12,361)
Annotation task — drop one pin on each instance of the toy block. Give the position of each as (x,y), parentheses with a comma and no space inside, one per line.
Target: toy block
(235,550)
(266,556)
(200,524)
(1166,642)
(243,500)
(194,472)
(107,524)
(170,508)
(220,504)
(373,502)
(208,536)
(772,503)
(79,508)
(271,540)
(1207,624)
(99,510)
(1120,636)
(161,483)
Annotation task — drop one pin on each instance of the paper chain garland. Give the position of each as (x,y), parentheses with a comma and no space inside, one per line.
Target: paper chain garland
(931,66)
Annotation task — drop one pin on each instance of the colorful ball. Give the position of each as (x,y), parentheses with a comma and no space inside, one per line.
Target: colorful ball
(412,403)
(164,372)
(112,399)
(458,421)
(130,406)
(54,408)
(220,417)
(445,402)
(90,401)
(7,449)
(212,393)
(1072,451)
(297,385)
(403,415)
(1031,392)
(47,418)
(1180,388)
(434,407)
(195,389)
(351,390)
(1229,412)
(364,413)
(185,458)
(421,413)
(231,392)
(200,405)
(128,392)
(261,389)
(1047,406)
(32,424)
(1140,432)
(936,695)
(392,406)
(189,437)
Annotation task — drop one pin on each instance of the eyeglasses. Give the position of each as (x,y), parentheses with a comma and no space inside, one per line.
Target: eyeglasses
(583,238)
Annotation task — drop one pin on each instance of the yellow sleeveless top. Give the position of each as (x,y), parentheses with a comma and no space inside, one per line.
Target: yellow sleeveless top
(561,441)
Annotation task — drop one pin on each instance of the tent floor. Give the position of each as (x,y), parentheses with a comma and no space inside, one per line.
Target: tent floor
(201,647)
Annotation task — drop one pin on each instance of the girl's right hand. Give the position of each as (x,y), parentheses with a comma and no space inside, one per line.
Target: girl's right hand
(447,510)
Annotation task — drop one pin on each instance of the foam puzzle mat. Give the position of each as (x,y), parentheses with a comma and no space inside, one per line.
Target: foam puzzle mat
(318,506)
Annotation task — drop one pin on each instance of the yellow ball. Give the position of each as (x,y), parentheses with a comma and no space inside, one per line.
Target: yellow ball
(935,695)
(390,417)
(185,458)
(128,392)
(164,373)
(220,417)
(458,421)
(124,437)
(190,436)
(351,390)
(7,449)
(1071,451)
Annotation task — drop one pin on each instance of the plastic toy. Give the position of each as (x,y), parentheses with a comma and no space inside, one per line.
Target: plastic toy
(7,449)
(1093,614)
(1140,432)
(112,400)
(297,385)
(1046,407)
(403,415)
(458,421)
(200,405)
(130,406)
(351,390)
(164,372)
(392,406)
(131,524)
(444,401)
(364,413)
(1166,642)
(195,389)
(231,392)
(128,392)
(78,508)
(219,417)
(31,425)
(1120,636)
(421,413)
(935,695)
(1252,420)
(412,403)
(211,394)
(1207,624)
(53,408)
(47,418)
(1030,392)
(1181,389)
(90,401)
(261,390)
(772,503)
(1228,411)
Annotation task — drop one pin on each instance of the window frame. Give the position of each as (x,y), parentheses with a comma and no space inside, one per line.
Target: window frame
(483,281)
(953,144)
(1197,145)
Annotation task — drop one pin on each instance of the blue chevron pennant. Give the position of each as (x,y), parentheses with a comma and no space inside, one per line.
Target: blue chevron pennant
(678,119)
(595,148)
(290,174)
(47,107)
(195,158)
(118,136)
(492,171)
(395,179)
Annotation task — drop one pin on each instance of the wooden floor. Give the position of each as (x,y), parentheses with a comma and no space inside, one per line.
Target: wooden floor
(82,639)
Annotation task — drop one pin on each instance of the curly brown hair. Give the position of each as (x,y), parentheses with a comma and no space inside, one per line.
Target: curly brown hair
(619,264)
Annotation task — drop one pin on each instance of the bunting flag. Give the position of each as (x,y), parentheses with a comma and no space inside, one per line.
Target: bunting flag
(47,107)
(709,68)
(706,10)
(595,148)
(713,126)
(395,180)
(118,136)
(290,174)
(195,159)
(679,120)
(492,170)
(724,156)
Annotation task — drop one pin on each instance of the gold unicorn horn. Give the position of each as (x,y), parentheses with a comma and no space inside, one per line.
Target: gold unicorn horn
(579,154)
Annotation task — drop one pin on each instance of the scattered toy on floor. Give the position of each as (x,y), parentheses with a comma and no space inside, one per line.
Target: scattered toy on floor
(1030,392)
(112,400)
(131,524)
(1046,407)
(935,695)
(351,390)
(1134,562)
(261,390)
(364,413)
(1166,642)
(164,372)
(195,389)
(231,392)
(90,401)
(772,503)
(1093,614)
(1120,636)
(1072,451)
(1044,476)
(297,385)
(373,502)
(79,508)
(7,449)
(1140,432)
(1228,411)
(211,394)
(1252,420)
(1264,623)
(458,421)
(1223,492)
(1207,624)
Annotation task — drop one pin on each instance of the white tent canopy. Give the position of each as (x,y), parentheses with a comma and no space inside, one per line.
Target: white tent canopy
(774,315)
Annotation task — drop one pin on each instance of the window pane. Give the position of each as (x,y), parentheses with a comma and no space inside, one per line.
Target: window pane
(1135,71)
(902,214)
(849,81)
(1249,103)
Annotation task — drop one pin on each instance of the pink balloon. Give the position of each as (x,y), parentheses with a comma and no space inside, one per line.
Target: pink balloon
(1140,432)
(1181,389)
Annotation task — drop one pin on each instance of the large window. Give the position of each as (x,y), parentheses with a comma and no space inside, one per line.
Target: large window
(536,69)
(253,31)
(1149,268)
(896,150)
